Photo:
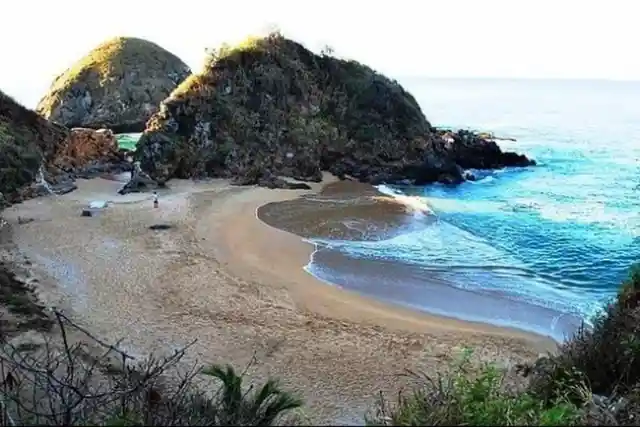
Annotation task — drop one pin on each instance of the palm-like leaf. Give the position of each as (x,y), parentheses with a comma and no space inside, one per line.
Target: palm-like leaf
(259,408)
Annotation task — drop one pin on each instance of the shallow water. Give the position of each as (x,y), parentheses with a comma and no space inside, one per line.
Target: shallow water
(128,141)
(559,237)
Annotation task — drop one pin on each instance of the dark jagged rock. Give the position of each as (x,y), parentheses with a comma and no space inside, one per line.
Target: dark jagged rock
(276,182)
(139,182)
(273,108)
(118,85)
(474,151)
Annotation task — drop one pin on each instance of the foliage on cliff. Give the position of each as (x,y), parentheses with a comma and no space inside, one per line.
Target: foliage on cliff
(117,85)
(25,140)
(269,107)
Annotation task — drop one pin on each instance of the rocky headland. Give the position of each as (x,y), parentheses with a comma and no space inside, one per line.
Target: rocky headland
(270,108)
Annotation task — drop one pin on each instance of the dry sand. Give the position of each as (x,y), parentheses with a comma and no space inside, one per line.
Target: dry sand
(237,285)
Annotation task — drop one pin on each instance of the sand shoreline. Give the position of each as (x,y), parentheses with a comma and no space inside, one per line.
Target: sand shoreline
(360,308)
(237,285)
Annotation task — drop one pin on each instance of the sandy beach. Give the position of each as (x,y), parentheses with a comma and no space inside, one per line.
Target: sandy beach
(221,275)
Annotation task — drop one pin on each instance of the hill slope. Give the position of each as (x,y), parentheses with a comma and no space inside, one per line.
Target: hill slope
(117,85)
(38,156)
(272,108)
(26,139)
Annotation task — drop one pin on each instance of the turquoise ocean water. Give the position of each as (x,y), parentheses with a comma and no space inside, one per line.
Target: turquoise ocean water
(559,237)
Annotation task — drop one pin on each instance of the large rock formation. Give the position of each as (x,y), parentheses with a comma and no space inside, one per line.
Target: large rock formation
(272,108)
(118,85)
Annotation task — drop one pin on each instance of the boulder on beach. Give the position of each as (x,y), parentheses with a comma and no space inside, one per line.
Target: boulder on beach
(118,85)
(270,108)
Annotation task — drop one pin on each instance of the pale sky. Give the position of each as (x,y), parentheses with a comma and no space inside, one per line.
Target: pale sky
(447,38)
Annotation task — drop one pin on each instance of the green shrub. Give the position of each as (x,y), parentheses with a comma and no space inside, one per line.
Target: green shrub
(605,359)
(470,396)
(239,407)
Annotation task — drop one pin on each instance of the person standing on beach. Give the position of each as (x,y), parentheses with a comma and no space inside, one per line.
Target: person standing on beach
(155,199)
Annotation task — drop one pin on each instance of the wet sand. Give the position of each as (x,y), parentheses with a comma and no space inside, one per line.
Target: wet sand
(236,284)
(358,212)
(345,210)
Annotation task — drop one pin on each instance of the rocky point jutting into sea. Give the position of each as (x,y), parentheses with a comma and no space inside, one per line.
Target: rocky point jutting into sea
(270,108)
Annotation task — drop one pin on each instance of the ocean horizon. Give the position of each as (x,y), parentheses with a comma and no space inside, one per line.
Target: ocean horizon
(541,248)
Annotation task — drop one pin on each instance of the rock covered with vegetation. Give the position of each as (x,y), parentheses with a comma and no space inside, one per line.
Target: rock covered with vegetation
(26,141)
(270,108)
(118,85)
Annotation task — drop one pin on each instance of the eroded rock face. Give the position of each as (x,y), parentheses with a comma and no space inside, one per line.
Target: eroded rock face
(87,152)
(118,85)
(272,108)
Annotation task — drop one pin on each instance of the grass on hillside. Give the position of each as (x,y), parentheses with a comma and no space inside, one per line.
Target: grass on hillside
(102,71)
(111,58)
(226,49)
(195,81)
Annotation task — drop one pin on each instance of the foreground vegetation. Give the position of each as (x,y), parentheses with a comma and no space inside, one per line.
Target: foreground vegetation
(594,379)
(59,382)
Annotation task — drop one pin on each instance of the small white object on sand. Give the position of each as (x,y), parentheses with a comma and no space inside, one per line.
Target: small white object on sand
(94,207)
(98,204)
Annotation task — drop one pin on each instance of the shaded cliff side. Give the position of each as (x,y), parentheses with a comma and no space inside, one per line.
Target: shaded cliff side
(118,85)
(26,140)
(37,156)
(271,108)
